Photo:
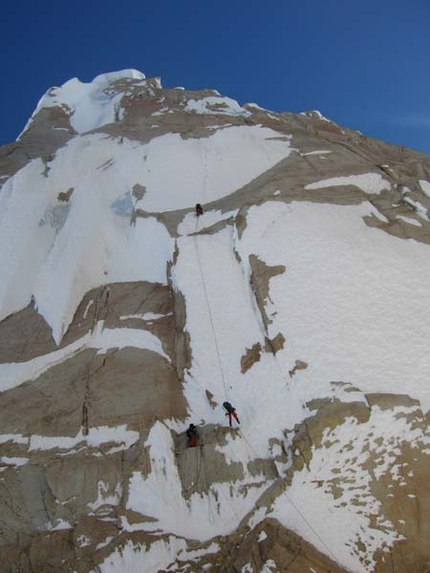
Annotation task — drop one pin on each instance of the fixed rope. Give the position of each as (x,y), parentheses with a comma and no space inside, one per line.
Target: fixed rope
(310,527)
(205,290)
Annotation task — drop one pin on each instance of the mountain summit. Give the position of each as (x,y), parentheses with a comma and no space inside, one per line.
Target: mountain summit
(298,295)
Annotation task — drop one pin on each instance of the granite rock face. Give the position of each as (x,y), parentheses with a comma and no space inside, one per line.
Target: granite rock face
(126,318)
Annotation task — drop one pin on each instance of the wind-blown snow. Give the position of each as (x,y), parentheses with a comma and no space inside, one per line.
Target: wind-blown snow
(88,105)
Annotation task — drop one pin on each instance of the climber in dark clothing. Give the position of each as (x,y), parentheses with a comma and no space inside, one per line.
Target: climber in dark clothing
(192,436)
(199,209)
(231,411)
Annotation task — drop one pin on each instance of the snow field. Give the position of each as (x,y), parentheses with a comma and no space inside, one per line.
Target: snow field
(209,276)
(206,169)
(63,249)
(352,301)
(83,244)
(24,241)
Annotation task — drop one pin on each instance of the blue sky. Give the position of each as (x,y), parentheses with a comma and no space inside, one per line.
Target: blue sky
(362,63)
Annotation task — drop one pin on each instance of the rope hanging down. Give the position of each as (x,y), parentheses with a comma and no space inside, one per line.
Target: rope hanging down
(205,290)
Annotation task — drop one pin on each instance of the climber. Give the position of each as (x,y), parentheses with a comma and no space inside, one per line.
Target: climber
(199,209)
(231,411)
(192,436)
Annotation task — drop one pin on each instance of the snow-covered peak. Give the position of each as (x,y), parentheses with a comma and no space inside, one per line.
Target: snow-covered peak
(89,105)
(110,77)
(299,294)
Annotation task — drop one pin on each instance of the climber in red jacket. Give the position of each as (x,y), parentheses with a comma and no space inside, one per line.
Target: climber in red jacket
(199,209)
(231,411)
(192,436)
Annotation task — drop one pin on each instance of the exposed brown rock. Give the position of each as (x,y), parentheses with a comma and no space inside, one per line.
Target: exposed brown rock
(139,191)
(274,344)
(51,552)
(260,277)
(64,196)
(50,405)
(251,356)
(331,413)
(286,549)
(132,385)
(299,365)
(389,401)
(25,335)
(211,401)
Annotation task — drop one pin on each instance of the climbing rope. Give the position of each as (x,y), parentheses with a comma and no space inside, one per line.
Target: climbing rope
(310,527)
(199,469)
(205,290)
(211,515)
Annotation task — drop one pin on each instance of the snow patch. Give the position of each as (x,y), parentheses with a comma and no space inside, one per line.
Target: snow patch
(409,220)
(96,437)
(12,462)
(371,183)
(150,558)
(216,105)
(425,186)
(323,152)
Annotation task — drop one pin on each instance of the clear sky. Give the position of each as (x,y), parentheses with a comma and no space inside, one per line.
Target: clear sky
(362,63)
